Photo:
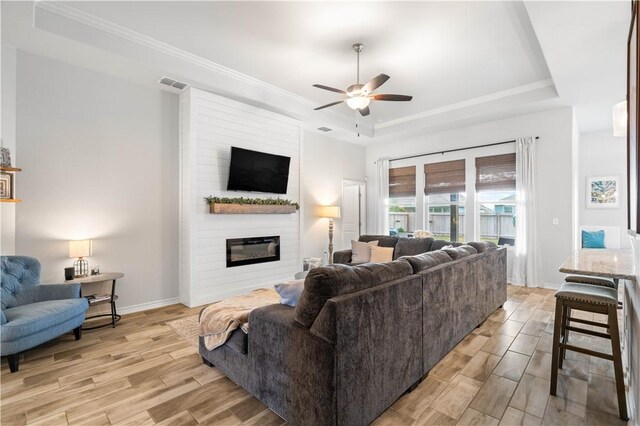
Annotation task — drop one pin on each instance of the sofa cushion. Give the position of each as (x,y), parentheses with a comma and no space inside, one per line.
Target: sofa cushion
(381,254)
(383,240)
(18,273)
(25,320)
(426,261)
(594,239)
(330,281)
(439,244)
(482,246)
(412,246)
(361,251)
(238,341)
(460,252)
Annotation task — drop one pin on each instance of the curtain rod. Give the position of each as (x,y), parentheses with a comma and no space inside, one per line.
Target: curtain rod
(454,150)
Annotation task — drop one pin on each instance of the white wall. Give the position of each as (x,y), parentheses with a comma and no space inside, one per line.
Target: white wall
(100,161)
(554,171)
(602,154)
(8,135)
(210,125)
(326,162)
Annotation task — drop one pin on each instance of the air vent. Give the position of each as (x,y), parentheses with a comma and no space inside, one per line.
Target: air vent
(324,129)
(169,82)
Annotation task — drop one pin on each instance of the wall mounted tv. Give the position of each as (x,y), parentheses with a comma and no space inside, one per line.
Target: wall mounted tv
(258,171)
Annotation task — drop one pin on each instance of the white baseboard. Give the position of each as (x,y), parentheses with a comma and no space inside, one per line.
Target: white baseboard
(553,286)
(148,305)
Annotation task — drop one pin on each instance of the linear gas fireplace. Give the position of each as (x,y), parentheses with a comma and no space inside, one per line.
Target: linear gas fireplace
(246,251)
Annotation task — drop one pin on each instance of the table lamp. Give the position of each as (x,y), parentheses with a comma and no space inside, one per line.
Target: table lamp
(330,212)
(80,249)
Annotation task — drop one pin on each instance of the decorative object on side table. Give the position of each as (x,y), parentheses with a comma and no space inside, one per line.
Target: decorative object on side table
(602,192)
(241,205)
(330,212)
(308,263)
(6,186)
(5,157)
(8,183)
(80,249)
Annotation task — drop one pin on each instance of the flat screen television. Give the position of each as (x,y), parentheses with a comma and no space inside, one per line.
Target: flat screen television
(258,171)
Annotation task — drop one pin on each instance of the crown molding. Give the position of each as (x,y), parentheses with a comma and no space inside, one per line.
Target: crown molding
(503,94)
(84,18)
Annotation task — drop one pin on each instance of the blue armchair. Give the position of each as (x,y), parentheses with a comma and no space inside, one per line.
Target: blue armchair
(32,313)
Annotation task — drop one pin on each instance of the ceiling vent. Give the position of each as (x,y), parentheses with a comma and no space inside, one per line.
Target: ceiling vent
(169,82)
(324,129)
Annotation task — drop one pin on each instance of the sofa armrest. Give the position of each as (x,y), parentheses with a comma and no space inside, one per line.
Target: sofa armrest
(3,319)
(57,292)
(342,256)
(293,369)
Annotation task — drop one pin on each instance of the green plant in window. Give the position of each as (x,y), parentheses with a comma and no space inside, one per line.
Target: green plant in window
(401,230)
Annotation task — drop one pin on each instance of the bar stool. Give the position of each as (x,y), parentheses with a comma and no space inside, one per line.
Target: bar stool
(590,298)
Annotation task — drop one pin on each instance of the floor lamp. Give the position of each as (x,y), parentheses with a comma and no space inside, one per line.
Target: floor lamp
(330,212)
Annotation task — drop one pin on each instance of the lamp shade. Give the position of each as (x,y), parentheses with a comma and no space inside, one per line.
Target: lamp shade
(332,212)
(80,248)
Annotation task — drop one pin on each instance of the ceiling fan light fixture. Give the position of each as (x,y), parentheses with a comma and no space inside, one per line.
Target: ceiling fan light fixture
(358,102)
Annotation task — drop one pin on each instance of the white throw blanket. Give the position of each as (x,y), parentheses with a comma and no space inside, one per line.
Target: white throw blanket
(220,319)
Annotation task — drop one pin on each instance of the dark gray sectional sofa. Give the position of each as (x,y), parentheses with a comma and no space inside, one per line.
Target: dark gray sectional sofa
(362,335)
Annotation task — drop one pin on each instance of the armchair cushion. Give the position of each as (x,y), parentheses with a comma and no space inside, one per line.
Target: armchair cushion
(18,274)
(25,320)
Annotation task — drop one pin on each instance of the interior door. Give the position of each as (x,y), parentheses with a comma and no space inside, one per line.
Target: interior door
(353,206)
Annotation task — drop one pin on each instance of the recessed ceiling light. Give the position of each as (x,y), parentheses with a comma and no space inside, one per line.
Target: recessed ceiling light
(324,129)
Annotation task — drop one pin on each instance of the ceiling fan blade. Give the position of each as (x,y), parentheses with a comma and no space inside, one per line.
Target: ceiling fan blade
(328,105)
(364,111)
(375,82)
(331,89)
(382,97)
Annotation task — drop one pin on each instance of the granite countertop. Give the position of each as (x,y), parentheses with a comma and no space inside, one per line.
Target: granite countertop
(609,263)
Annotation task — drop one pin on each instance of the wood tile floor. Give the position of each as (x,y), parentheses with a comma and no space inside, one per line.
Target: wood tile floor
(143,373)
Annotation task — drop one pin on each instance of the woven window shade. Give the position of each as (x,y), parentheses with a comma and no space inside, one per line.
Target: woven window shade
(496,172)
(444,178)
(402,182)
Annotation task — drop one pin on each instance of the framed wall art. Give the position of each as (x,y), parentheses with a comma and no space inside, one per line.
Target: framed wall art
(603,192)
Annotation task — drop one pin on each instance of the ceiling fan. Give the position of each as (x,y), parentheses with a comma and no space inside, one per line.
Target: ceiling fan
(359,95)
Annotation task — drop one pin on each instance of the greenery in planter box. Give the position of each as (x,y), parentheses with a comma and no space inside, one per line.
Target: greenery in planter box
(253,201)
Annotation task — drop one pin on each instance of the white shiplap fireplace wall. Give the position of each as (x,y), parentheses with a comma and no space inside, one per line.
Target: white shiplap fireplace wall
(209,126)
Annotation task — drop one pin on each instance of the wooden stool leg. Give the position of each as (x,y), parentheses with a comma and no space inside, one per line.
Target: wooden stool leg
(564,333)
(617,361)
(557,328)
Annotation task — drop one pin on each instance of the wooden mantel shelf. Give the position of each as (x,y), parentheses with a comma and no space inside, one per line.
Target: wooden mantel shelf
(10,200)
(10,169)
(219,208)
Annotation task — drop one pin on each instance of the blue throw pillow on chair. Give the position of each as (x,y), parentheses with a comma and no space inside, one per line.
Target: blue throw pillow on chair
(594,240)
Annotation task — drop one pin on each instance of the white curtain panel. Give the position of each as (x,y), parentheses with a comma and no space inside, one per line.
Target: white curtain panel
(526,262)
(382,197)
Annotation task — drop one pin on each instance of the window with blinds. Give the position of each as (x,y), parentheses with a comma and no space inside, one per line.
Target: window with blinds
(496,173)
(402,182)
(447,177)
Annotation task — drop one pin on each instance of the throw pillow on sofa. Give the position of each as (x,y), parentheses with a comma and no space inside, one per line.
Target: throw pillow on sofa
(290,292)
(460,252)
(361,252)
(381,254)
(594,240)
(428,260)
